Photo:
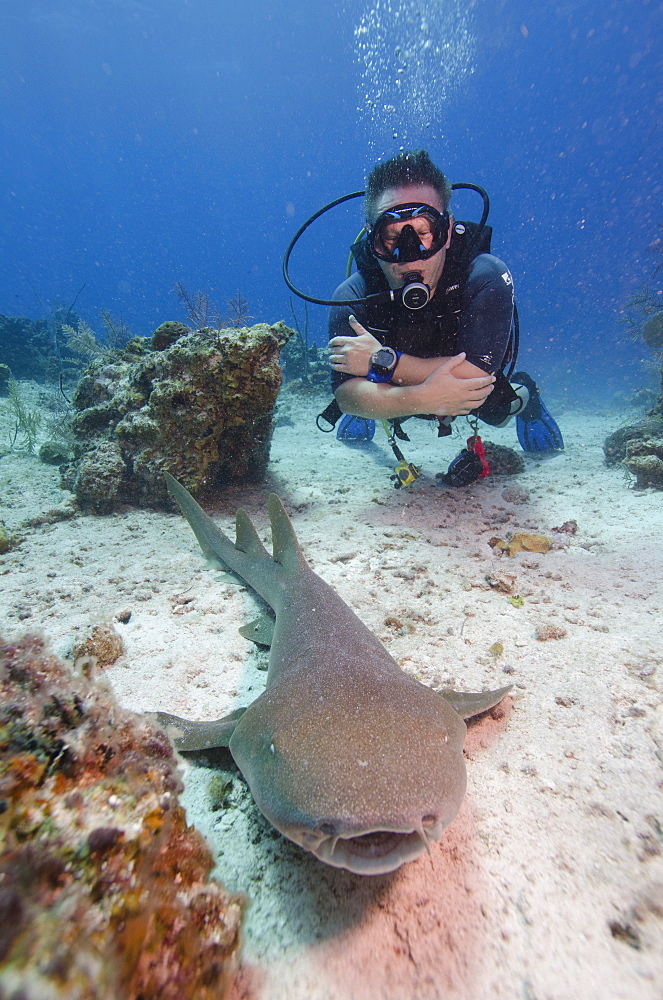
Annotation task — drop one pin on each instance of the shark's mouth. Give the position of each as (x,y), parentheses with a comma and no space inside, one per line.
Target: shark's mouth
(374,853)
(374,845)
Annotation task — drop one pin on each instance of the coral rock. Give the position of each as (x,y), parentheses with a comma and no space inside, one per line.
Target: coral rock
(104,890)
(504,582)
(167,334)
(101,478)
(201,408)
(644,459)
(546,632)
(615,446)
(54,453)
(503,461)
(515,494)
(5,540)
(103,644)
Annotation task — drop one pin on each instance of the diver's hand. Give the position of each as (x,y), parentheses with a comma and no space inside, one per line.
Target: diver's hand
(447,395)
(352,355)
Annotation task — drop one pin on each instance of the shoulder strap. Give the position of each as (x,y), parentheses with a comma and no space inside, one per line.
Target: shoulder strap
(468,240)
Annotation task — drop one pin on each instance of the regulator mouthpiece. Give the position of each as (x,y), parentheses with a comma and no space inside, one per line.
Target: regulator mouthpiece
(414,293)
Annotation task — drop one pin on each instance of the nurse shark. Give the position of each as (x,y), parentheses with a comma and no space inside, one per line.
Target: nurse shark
(344,754)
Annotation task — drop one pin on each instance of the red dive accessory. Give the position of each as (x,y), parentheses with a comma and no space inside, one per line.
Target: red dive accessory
(475,444)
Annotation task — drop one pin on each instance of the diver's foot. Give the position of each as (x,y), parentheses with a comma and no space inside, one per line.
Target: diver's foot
(355,430)
(536,428)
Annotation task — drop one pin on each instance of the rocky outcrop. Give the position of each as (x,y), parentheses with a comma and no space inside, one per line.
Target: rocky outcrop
(201,408)
(639,448)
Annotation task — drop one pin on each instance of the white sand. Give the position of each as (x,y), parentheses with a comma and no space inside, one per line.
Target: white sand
(560,835)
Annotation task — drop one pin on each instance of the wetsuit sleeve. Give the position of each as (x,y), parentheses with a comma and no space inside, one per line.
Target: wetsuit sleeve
(339,326)
(486,313)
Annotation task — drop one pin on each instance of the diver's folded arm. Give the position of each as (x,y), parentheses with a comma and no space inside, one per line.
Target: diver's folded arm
(441,393)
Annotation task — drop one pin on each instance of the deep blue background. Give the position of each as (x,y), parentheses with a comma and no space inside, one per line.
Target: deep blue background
(149,142)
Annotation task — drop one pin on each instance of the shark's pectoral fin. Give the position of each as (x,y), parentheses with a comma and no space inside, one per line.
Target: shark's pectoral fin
(468,704)
(261,630)
(188,735)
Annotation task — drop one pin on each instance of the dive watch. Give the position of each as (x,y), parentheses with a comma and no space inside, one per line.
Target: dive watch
(383,363)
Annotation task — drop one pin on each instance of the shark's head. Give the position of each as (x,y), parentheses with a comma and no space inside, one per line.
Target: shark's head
(367,789)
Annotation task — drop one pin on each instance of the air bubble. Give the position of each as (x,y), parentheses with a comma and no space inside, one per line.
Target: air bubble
(411,58)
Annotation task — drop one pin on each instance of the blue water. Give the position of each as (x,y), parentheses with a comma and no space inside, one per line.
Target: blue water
(145,143)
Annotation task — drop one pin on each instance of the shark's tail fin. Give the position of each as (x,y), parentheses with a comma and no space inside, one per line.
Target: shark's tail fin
(213,541)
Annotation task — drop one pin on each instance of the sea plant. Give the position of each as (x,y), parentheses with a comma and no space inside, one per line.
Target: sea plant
(200,311)
(82,340)
(84,343)
(117,331)
(23,435)
(238,313)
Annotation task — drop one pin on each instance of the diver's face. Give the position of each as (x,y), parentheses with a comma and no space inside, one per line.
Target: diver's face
(430,269)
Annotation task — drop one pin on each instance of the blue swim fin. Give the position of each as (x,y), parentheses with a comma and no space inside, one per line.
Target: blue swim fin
(355,429)
(537,430)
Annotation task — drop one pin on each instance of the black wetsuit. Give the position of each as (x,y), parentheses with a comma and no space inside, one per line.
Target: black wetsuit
(471,311)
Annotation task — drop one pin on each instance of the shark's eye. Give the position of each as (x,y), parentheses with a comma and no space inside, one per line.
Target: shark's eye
(327,828)
(429,820)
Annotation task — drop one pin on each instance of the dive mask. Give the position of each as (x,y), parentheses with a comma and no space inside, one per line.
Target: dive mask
(425,234)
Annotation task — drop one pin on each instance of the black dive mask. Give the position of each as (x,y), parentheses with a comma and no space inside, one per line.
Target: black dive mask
(412,242)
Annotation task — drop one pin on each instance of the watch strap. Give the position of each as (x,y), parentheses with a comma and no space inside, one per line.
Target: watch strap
(374,376)
(379,373)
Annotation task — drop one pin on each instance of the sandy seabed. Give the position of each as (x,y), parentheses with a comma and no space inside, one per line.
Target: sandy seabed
(549,884)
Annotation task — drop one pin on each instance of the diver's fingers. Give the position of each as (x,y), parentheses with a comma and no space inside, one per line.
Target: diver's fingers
(356,325)
(479,384)
(453,362)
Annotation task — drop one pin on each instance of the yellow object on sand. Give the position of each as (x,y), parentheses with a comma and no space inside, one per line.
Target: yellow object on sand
(522,541)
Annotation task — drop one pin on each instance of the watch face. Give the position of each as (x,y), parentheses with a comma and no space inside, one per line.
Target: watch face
(384,358)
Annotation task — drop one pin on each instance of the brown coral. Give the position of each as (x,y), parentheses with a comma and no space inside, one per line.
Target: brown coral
(104,890)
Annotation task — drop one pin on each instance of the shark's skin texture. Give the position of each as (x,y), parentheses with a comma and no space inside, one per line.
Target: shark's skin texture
(344,754)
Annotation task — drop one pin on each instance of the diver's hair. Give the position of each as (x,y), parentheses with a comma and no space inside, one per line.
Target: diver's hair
(406,168)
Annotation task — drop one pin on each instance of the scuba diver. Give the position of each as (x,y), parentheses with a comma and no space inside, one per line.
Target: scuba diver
(442,342)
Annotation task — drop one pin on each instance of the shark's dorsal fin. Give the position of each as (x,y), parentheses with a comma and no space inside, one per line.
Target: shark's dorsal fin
(285,546)
(247,538)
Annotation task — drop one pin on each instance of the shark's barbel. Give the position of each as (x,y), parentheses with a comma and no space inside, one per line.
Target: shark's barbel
(344,754)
